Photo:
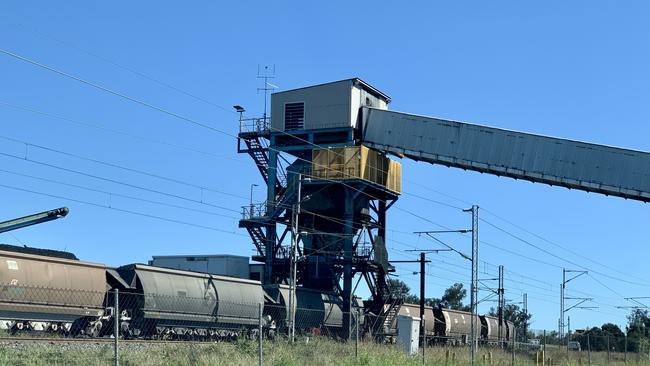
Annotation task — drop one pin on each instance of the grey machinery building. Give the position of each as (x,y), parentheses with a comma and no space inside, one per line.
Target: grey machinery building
(218,264)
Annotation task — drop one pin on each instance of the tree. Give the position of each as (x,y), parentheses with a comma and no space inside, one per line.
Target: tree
(400,289)
(637,330)
(513,313)
(451,299)
(612,330)
(638,322)
(597,339)
(616,336)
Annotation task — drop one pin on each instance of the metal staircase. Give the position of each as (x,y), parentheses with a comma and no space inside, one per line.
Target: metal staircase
(391,312)
(256,218)
(384,303)
(260,154)
(259,238)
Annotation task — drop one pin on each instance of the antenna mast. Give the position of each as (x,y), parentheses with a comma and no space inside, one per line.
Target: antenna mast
(267,86)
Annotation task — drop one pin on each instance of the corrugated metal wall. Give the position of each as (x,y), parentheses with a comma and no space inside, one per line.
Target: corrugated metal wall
(566,163)
(357,162)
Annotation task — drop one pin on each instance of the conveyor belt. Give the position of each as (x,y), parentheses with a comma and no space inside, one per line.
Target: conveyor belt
(555,161)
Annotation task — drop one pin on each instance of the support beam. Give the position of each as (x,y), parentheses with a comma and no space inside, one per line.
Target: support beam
(347,261)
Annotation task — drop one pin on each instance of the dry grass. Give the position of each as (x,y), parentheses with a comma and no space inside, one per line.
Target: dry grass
(279,353)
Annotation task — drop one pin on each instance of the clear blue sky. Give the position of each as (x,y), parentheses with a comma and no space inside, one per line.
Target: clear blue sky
(576,70)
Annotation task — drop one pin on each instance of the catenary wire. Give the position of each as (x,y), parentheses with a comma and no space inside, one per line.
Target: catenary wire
(113,165)
(192,95)
(140,102)
(120,209)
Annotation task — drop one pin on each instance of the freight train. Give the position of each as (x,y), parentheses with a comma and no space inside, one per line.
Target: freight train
(55,293)
(453,327)
(59,294)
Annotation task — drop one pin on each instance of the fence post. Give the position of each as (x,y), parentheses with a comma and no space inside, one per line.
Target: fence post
(259,329)
(608,350)
(544,346)
(588,349)
(514,341)
(356,338)
(626,348)
(116,327)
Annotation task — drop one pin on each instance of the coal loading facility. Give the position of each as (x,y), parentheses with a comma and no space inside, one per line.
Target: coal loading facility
(325,154)
(325,157)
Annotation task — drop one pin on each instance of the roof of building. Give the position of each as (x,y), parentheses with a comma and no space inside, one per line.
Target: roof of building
(356,81)
(199,255)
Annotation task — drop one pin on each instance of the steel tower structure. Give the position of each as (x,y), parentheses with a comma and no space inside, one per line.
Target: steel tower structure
(326,191)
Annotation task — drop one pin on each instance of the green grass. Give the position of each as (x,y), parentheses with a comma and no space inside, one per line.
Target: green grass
(310,352)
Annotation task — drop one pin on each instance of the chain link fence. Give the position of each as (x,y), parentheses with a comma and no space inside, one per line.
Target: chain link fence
(46,326)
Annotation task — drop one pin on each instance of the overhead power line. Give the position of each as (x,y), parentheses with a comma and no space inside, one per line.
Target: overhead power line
(110,194)
(116,93)
(561,258)
(113,165)
(565,248)
(121,210)
(124,67)
(164,111)
(98,127)
(204,100)
(94,176)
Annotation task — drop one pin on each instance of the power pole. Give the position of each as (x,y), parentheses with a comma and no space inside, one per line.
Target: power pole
(474,261)
(423,261)
(474,284)
(568,337)
(502,304)
(475,281)
(422,274)
(563,309)
(526,314)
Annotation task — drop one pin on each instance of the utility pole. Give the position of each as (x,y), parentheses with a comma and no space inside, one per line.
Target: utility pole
(502,304)
(526,314)
(474,284)
(293,259)
(422,290)
(568,337)
(563,298)
(423,260)
(474,261)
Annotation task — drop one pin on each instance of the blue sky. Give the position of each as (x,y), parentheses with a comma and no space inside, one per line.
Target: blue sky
(574,70)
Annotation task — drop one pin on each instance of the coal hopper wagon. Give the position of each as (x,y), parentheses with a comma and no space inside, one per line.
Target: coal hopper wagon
(51,294)
(316,311)
(168,303)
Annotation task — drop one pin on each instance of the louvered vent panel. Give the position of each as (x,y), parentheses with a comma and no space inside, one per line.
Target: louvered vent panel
(294,116)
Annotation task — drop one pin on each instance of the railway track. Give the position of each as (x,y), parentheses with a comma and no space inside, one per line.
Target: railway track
(95,340)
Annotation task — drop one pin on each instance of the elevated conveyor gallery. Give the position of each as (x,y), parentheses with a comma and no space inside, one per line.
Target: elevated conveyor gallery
(555,161)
